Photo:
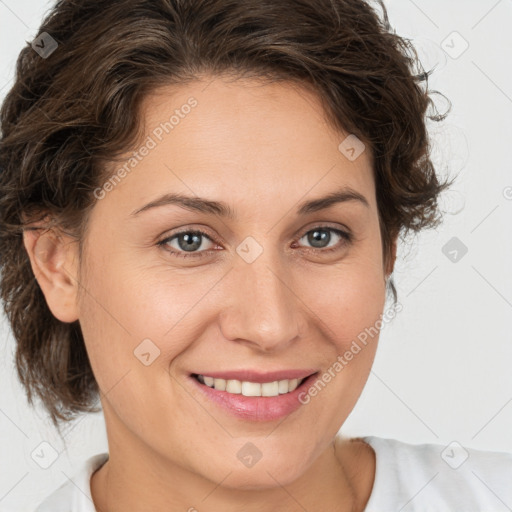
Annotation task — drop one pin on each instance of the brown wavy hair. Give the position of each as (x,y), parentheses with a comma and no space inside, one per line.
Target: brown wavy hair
(70,112)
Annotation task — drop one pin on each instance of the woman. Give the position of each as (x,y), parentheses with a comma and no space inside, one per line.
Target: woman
(209,196)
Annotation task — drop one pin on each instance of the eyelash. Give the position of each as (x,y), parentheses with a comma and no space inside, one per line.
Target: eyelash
(347,237)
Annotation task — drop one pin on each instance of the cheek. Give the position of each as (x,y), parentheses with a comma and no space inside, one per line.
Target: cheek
(349,313)
(354,329)
(126,313)
(349,298)
(126,317)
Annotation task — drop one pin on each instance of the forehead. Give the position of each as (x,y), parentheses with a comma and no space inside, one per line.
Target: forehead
(243,139)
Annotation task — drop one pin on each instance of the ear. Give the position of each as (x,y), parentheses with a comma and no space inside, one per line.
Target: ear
(54,257)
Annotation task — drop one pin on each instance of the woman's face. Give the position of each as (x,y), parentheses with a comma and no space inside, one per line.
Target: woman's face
(273,288)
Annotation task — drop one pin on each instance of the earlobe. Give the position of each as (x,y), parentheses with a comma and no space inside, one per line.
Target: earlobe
(53,261)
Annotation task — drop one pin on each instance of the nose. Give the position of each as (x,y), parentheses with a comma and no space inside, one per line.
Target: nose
(262,310)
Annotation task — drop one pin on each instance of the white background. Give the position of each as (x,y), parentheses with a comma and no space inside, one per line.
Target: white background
(442,371)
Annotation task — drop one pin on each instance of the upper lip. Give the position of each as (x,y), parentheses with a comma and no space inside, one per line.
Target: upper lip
(257,376)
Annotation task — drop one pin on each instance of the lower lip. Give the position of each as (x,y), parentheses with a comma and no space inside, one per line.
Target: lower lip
(256,408)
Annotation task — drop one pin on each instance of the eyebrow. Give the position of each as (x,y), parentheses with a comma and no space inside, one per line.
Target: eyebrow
(199,204)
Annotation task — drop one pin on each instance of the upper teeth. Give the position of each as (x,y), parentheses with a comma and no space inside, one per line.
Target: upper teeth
(237,387)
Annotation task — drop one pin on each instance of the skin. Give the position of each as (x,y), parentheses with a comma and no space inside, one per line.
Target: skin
(263,149)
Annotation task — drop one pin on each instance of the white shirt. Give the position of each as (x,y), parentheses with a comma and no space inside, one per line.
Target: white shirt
(408,477)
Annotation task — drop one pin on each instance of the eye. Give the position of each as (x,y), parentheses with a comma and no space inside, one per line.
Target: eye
(188,242)
(319,236)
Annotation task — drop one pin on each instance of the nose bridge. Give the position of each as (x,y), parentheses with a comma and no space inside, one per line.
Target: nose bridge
(264,309)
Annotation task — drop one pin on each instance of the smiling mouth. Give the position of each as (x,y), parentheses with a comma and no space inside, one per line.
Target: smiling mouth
(247,388)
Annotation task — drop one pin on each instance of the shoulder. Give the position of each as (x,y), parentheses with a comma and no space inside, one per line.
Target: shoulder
(438,477)
(75,494)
